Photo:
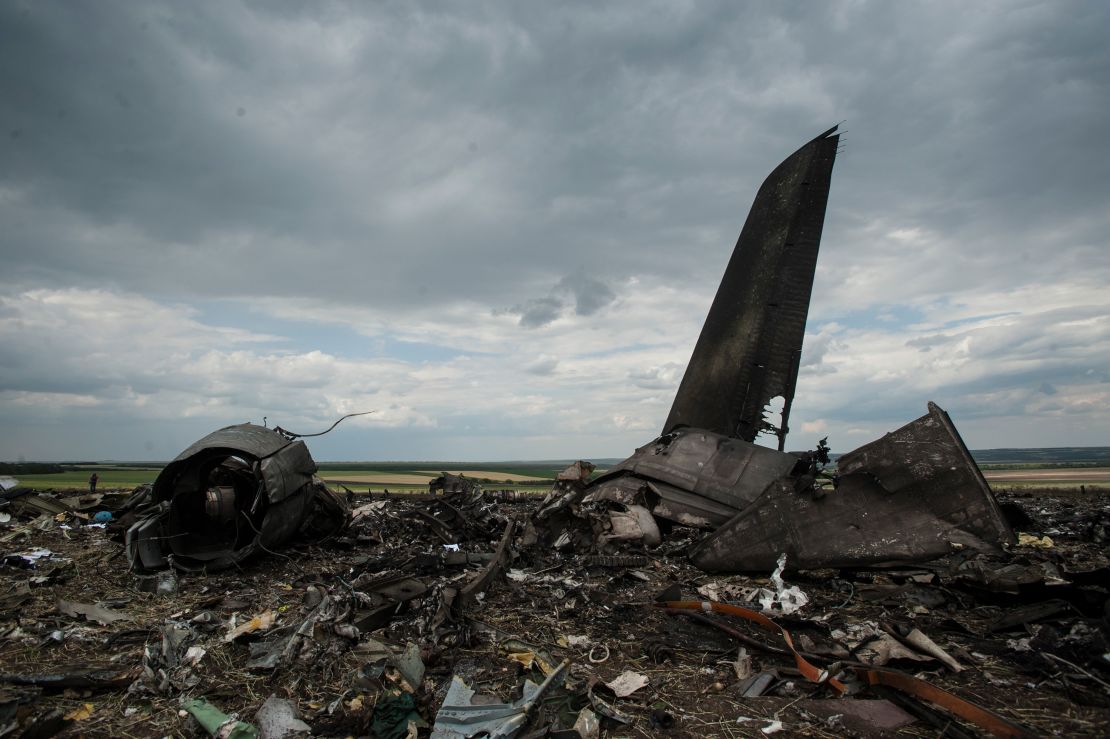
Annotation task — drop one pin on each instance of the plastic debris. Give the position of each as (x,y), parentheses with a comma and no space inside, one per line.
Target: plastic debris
(587,724)
(92,612)
(1029,540)
(261,622)
(922,643)
(782,600)
(627,683)
(395,716)
(217,723)
(82,712)
(277,719)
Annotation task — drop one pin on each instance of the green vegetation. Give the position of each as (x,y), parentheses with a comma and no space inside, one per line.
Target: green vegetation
(79,478)
(29,468)
(547,469)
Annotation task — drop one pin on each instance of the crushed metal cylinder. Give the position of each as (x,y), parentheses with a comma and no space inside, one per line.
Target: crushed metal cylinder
(235,493)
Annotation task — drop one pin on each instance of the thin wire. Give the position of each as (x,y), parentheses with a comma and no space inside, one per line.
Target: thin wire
(292,435)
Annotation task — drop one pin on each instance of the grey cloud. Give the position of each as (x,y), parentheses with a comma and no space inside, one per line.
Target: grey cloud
(543,365)
(538,312)
(657,122)
(590,293)
(663,377)
(814,349)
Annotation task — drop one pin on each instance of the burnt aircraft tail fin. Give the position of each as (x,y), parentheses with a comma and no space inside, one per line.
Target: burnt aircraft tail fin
(751,343)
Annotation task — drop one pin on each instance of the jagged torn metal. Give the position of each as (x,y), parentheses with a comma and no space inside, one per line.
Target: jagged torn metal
(460,718)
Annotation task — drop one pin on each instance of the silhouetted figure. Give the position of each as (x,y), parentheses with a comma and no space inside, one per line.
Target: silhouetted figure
(92,482)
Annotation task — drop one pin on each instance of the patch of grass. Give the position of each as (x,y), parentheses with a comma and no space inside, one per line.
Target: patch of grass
(125,479)
(353,475)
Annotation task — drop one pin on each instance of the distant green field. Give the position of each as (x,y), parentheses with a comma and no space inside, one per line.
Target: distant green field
(531,469)
(109,478)
(357,476)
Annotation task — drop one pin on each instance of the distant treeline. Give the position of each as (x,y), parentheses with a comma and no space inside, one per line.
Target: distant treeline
(30,468)
(1049,457)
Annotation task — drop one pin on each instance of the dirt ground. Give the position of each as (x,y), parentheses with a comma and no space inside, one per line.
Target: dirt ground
(85,650)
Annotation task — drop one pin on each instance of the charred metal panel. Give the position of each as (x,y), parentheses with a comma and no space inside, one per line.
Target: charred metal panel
(288,470)
(927,457)
(688,509)
(750,345)
(912,496)
(725,470)
(238,491)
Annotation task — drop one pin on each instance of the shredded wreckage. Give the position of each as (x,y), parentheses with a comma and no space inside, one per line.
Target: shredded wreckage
(651,599)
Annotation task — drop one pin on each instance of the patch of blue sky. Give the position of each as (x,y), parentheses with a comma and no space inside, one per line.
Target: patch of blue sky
(885,317)
(335,339)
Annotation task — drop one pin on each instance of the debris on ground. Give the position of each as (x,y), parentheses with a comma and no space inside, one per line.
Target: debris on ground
(373,637)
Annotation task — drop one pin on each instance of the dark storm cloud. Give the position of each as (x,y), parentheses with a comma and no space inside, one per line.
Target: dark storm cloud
(422,146)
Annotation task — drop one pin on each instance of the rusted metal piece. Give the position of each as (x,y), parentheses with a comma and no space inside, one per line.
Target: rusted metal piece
(808,670)
(912,496)
(981,717)
(750,345)
(238,491)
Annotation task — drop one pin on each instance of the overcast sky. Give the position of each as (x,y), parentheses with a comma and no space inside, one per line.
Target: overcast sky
(501,224)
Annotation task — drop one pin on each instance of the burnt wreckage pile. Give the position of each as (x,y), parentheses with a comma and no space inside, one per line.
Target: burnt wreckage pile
(908,497)
(235,493)
(259,602)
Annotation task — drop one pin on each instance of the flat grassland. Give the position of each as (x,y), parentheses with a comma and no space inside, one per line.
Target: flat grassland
(1071,477)
(401,476)
(374,476)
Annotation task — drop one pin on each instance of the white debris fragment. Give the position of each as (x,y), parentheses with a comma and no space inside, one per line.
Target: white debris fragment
(193,655)
(783,600)
(627,683)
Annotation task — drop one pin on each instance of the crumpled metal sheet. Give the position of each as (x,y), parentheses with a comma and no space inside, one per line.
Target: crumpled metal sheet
(912,496)
(727,471)
(460,718)
(236,492)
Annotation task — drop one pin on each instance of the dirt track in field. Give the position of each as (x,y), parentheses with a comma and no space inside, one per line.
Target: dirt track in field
(492,475)
(383,478)
(1078,473)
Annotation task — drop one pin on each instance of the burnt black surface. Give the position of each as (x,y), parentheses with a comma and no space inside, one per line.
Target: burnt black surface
(751,342)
